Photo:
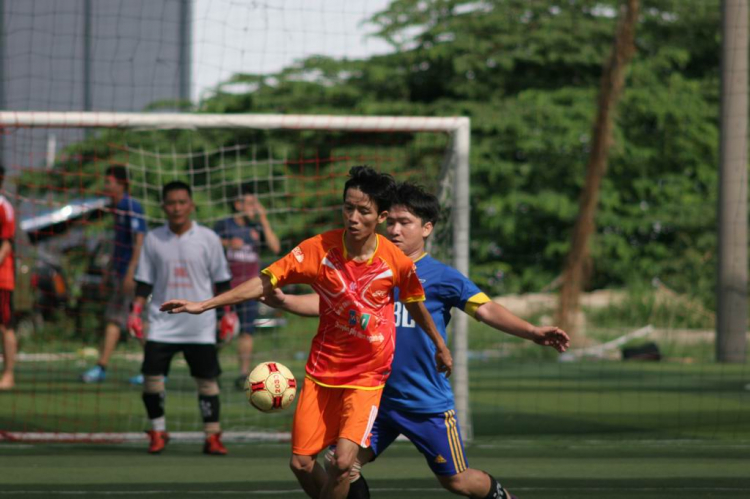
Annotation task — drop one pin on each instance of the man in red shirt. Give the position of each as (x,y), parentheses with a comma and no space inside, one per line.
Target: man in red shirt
(7,284)
(354,271)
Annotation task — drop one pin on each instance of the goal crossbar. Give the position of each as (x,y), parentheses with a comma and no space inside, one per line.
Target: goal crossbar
(46,119)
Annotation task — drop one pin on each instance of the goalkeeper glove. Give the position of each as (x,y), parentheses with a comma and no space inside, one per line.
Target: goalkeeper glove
(229,326)
(135,323)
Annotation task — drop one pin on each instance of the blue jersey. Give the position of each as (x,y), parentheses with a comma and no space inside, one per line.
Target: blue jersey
(415,385)
(129,221)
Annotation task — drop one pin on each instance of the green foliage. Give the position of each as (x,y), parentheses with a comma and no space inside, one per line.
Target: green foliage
(527,73)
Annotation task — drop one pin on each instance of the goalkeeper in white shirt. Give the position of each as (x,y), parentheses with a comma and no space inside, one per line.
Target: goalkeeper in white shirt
(181,259)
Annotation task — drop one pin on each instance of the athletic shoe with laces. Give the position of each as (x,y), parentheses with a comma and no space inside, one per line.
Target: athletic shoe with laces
(213,445)
(94,375)
(157,441)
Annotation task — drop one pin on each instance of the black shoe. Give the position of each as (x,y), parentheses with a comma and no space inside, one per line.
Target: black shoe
(239,382)
(359,489)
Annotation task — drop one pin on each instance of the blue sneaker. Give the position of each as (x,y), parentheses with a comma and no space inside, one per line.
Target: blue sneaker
(94,375)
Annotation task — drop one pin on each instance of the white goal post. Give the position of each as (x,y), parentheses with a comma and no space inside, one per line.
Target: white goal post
(458,128)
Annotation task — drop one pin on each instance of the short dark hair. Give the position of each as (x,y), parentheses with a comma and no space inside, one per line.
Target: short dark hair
(244,190)
(378,186)
(418,202)
(175,185)
(120,172)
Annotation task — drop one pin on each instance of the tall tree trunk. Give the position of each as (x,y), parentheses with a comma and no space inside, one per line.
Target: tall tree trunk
(612,83)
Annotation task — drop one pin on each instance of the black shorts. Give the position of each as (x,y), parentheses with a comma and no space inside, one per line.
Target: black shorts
(6,308)
(202,359)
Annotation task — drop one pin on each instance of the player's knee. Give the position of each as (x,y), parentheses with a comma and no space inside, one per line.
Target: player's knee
(207,387)
(153,384)
(342,463)
(302,464)
(456,484)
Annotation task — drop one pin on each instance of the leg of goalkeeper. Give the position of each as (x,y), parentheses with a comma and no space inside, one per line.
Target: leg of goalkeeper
(209,405)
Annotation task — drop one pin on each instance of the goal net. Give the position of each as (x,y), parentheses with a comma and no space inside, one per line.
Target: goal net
(296,167)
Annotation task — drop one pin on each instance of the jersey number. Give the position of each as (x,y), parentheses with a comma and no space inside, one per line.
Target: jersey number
(402,316)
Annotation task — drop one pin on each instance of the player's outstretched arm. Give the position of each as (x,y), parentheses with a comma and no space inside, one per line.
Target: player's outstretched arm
(495,315)
(422,317)
(248,290)
(305,305)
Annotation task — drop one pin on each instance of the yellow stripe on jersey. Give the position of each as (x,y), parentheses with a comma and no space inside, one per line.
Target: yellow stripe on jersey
(414,299)
(454,442)
(473,303)
(274,280)
(355,387)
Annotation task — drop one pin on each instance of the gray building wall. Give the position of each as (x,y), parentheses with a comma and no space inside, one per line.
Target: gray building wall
(99,55)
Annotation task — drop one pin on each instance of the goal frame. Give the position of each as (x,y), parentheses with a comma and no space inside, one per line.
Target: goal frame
(458,128)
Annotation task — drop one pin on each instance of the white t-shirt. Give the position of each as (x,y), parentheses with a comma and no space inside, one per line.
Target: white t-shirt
(182,267)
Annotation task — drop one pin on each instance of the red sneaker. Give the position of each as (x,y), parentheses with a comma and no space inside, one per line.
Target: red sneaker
(157,441)
(213,445)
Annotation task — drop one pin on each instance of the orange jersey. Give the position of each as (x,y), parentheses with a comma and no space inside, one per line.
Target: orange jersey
(354,345)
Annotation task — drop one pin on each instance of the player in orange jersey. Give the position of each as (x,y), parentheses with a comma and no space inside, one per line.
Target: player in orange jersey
(354,271)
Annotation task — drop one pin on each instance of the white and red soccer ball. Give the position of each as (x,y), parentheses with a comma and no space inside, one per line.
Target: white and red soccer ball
(270,387)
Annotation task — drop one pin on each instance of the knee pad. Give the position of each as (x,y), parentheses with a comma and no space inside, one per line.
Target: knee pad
(208,387)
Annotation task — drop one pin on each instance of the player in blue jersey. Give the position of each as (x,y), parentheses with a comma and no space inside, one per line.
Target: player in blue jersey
(129,230)
(417,402)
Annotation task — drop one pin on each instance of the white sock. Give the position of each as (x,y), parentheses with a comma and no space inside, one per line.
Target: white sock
(159,424)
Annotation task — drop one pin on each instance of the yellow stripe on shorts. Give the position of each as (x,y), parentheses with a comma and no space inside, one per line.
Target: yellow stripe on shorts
(454,442)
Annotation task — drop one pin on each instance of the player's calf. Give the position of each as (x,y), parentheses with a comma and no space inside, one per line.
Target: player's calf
(474,483)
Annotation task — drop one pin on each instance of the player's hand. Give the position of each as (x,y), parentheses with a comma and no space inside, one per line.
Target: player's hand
(551,336)
(135,322)
(275,298)
(236,243)
(444,361)
(260,209)
(229,326)
(180,306)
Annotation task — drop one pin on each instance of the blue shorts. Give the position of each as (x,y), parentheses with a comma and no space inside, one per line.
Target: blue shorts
(436,436)
(247,311)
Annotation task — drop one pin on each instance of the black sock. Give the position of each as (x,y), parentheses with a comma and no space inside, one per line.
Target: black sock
(103,367)
(358,489)
(209,406)
(496,490)
(154,403)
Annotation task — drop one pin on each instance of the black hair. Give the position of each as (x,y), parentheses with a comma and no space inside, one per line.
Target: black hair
(175,185)
(241,192)
(378,186)
(120,172)
(418,202)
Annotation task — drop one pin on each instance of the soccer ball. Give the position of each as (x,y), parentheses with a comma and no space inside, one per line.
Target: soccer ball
(270,387)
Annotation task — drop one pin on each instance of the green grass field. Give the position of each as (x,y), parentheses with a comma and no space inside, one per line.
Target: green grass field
(605,429)
(531,469)
(559,430)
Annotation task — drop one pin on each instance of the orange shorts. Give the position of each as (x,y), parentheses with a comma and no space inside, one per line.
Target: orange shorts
(325,414)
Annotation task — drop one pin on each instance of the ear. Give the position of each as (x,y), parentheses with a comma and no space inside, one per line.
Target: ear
(427,230)
(383,215)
